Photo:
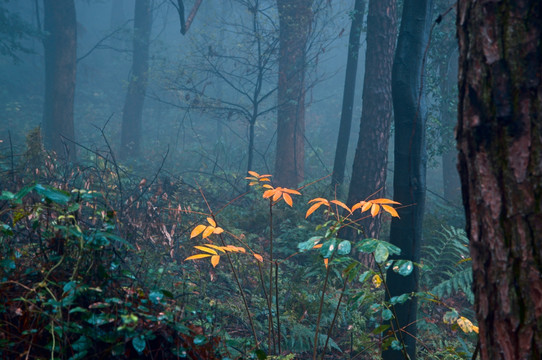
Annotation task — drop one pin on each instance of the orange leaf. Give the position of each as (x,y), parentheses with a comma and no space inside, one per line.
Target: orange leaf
(254,173)
(267,186)
(258,257)
(268,193)
(375,209)
(341,204)
(218,230)
(322,200)
(326,261)
(207,250)
(277,194)
(313,209)
(384,201)
(366,206)
(391,210)
(214,260)
(356,206)
(287,199)
(265,179)
(197,256)
(211,221)
(290,191)
(252,183)
(197,230)
(317,246)
(215,247)
(208,231)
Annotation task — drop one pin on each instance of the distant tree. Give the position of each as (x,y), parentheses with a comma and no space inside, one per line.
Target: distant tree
(60,68)
(13,30)
(295,20)
(499,137)
(135,96)
(409,165)
(370,167)
(348,94)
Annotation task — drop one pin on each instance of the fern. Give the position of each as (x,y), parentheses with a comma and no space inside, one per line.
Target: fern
(445,270)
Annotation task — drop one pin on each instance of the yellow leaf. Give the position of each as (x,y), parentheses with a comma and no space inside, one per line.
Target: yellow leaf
(326,260)
(218,230)
(377,281)
(197,256)
(219,248)
(317,246)
(375,209)
(258,257)
(313,209)
(390,210)
(214,260)
(287,199)
(366,206)
(475,329)
(341,204)
(197,230)
(268,193)
(211,221)
(254,173)
(267,186)
(207,250)
(466,325)
(208,231)
(265,179)
(384,201)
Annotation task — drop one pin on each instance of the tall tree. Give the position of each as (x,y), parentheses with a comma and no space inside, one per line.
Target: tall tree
(348,94)
(371,158)
(499,137)
(60,69)
(409,164)
(135,97)
(295,20)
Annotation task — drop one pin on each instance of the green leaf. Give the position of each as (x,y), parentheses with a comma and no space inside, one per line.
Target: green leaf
(399,299)
(365,276)
(380,329)
(139,344)
(344,247)
(328,248)
(55,195)
(387,314)
(309,244)
(381,253)
(73,207)
(260,354)
(403,267)
(368,245)
(200,340)
(83,343)
(396,345)
(156,296)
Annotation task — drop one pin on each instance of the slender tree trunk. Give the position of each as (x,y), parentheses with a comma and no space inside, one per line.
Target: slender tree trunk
(135,97)
(60,46)
(295,19)
(371,158)
(348,94)
(499,138)
(410,164)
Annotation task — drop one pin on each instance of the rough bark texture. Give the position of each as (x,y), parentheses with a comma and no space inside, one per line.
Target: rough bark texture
(500,162)
(295,18)
(348,95)
(135,97)
(409,164)
(60,69)
(371,159)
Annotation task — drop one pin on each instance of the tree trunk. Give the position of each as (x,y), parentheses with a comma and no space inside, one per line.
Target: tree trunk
(60,46)
(348,95)
(371,158)
(135,97)
(295,18)
(410,164)
(499,138)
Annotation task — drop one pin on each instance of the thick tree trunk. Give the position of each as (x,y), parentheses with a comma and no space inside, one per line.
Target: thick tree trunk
(135,97)
(371,158)
(409,164)
(499,139)
(295,19)
(352,60)
(60,46)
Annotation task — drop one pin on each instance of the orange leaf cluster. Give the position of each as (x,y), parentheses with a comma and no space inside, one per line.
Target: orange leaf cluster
(210,250)
(278,192)
(374,205)
(206,230)
(256,178)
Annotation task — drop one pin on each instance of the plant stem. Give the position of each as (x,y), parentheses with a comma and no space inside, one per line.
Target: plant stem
(320,313)
(335,316)
(277,302)
(271,327)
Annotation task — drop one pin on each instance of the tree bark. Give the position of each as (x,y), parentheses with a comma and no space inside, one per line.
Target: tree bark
(409,164)
(60,46)
(135,97)
(371,159)
(295,18)
(499,137)
(345,125)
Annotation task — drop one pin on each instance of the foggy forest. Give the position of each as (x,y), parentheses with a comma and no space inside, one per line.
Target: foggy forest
(271,179)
